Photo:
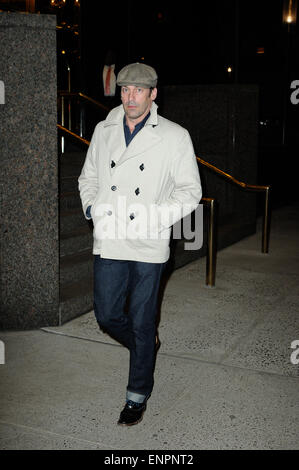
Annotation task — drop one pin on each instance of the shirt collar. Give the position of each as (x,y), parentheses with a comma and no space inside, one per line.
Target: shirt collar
(139,125)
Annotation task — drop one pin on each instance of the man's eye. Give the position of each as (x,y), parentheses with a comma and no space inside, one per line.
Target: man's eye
(139,90)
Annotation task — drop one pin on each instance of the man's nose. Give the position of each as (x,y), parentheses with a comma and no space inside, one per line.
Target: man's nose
(131,94)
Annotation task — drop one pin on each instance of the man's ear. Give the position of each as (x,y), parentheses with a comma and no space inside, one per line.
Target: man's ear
(154,94)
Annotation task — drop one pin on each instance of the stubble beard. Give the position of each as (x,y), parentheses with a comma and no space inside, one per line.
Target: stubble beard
(136,113)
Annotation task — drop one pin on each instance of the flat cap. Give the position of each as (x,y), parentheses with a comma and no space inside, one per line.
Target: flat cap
(137,74)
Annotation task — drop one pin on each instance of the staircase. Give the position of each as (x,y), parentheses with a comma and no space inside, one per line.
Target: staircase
(76,259)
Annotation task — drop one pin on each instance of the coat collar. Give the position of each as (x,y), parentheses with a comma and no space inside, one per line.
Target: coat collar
(116,116)
(115,139)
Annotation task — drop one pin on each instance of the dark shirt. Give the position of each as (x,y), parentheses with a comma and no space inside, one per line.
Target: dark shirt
(88,214)
(138,127)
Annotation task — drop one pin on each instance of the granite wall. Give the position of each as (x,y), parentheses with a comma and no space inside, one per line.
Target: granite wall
(29,246)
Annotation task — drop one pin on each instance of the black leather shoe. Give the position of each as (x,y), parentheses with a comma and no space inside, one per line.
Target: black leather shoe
(132,413)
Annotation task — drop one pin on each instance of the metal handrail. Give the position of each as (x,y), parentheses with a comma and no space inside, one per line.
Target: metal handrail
(84,97)
(212,247)
(249,187)
(211,202)
(252,187)
(67,95)
(73,135)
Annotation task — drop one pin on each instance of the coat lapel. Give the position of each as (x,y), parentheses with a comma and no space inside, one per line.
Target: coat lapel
(116,144)
(143,141)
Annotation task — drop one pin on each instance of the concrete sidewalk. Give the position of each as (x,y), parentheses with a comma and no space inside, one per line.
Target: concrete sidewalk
(224,377)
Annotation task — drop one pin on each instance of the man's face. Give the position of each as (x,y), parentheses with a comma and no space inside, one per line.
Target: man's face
(137,101)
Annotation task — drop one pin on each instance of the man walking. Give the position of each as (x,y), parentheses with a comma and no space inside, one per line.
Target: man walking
(140,176)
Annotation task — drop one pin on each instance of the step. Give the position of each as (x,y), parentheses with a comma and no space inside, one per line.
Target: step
(72,219)
(68,184)
(71,146)
(77,157)
(75,299)
(71,164)
(76,266)
(77,240)
(70,169)
(69,200)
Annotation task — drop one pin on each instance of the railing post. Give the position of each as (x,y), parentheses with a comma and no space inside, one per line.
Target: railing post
(266,223)
(211,252)
(62,122)
(69,101)
(82,120)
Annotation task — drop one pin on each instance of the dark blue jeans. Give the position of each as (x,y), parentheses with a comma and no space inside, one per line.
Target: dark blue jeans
(114,282)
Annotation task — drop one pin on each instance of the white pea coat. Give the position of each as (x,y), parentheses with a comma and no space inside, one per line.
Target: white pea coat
(138,192)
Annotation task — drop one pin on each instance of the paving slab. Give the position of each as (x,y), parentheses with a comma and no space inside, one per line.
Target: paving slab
(70,393)
(52,385)
(223,380)
(231,408)
(268,346)
(20,437)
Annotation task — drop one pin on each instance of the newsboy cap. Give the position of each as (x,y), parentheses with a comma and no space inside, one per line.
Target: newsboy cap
(137,74)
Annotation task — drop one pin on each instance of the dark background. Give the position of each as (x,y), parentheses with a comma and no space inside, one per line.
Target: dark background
(191,42)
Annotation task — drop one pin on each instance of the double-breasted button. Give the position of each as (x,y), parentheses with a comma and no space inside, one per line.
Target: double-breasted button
(112,163)
(109,212)
(132,216)
(114,188)
(141,167)
(137,191)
